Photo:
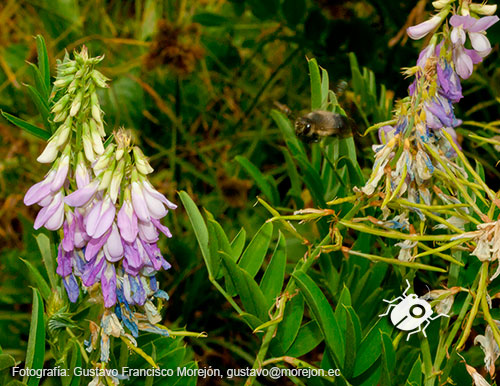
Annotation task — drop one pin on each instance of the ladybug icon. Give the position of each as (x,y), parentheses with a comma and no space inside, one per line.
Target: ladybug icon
(410,313)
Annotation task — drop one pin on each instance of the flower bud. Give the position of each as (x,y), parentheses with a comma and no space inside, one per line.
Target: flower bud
(141,162)
(420,30)
(483,9)
(88,148)
(96,141)
(99,79)
(106,178)
(77,102)
(49,154)
(440,4)
(60,105)
(62,82)
(116,180)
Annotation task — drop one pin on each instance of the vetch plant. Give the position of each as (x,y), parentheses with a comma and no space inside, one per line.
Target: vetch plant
(108,215)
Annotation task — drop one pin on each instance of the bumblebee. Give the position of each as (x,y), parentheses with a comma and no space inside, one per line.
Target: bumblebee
(319,124)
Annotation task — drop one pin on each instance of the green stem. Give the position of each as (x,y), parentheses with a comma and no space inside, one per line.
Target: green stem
(472,315)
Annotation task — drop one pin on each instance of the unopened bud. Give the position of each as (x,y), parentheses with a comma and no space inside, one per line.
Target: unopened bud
(88,148)
(141,162)
(77,102)
(103,161)
(49,154)
(440,4)
(483,9)
(99,79)
(106,177)
(116,180)
(60,104)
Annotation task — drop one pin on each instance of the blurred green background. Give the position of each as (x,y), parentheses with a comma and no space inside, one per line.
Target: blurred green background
(195,81)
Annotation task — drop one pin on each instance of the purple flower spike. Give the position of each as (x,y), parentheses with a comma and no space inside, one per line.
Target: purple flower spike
(51,216)
(132,257)
(139,202)
(82,196)
(100,218)
(449,82)
(113,249)
(148,232)
(151,191)
(40,190)
(162,228)
(108,285)
(94,246)
(420,30)
(71,287)
(62,172)
(63,262)
(93,270)
(127,222)
(69,226)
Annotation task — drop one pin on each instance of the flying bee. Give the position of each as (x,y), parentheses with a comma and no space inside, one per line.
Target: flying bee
(320,124)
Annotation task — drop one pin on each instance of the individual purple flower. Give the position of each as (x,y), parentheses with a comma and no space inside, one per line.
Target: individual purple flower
(439,113)
(476,28)
(418,31)
(449,82)
(100,218)
(52,215)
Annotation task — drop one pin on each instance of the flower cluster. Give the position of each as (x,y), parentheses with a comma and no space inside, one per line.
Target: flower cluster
(109,212)
(423,141)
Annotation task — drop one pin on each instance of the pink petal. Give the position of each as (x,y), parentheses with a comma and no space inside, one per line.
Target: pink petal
(113,249)
(82,196)
(480,43)
(147,231)
(127,222)
(465,21)
(139,202)
(483,24)
(106,218)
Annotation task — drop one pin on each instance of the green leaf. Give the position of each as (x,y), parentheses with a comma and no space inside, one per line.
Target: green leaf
(6,361)
(312,180)
(200,230)
(323,315)
(264,9)
(209,19)
(288,133)
(76,361)
(36,342)
(292,319)
(15,382)
(307,339)
(266,188)
(316,97)
(295,179)
(38,280)
(48,257)
(273,278)
(370,348)
(43,63)
(41,106)
(294,11)
(238,243)
(251,296)
(325,90)
(254,254)
(415,377)
(350,344)
(388,359)
(32,129)
(340,312)
(39,82)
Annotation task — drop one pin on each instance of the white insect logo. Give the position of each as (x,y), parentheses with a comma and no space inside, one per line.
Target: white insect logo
(410,313)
